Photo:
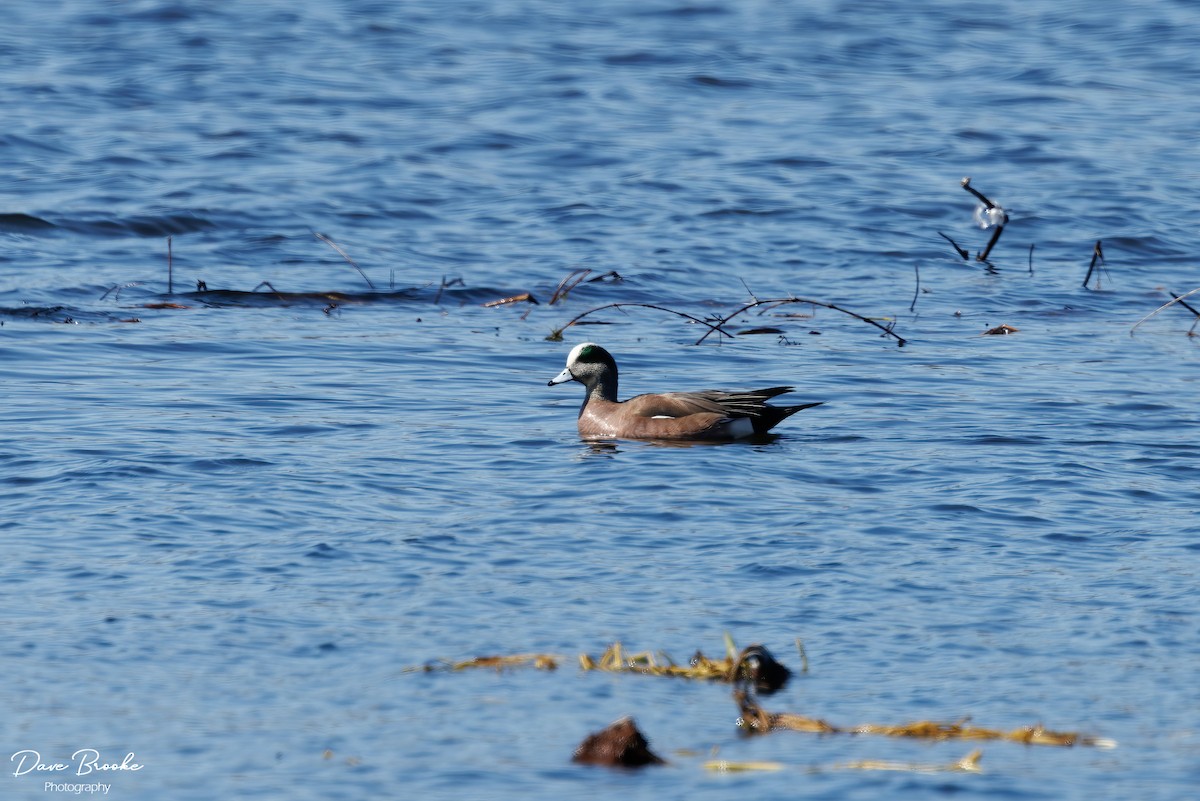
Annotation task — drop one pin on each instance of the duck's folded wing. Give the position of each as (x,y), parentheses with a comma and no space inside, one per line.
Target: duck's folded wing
(681,404)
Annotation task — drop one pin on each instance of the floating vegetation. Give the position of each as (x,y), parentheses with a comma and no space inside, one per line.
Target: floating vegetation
(754,665)
(723,766)
(968,764)
(497,663)
(755,720)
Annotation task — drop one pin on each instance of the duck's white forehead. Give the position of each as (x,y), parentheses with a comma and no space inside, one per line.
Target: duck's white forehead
(578,349)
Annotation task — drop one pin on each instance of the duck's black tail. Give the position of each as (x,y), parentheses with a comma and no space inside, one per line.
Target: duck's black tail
(771,416)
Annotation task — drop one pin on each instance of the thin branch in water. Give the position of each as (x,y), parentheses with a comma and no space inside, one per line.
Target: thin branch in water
(1165,305)
(267,284)
(1179,300)
(170,270)
(556,335)
(887,330)
(749,291)
(963,253)
(117,288)
(1031,258)
(344,255)
(913,306)
(572,280)
(446,284)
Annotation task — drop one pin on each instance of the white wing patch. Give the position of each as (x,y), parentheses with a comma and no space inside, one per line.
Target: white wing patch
(662,417)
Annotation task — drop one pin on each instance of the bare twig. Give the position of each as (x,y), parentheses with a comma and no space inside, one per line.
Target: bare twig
(344,255)
(913,306)
(444,285)
(572,280)
(170,270)
(1178,298)
(1031,258)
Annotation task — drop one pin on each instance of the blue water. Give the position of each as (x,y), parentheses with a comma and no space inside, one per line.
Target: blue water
(233,515)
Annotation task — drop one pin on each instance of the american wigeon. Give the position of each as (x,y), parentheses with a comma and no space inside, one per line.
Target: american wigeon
(708,415)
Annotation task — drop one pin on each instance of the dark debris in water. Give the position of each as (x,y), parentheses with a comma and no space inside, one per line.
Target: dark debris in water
(618,745)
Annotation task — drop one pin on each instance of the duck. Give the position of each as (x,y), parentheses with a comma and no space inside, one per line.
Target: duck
(712,415)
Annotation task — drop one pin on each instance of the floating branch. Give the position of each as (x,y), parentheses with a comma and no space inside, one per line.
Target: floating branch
(1031,258)
(755,720)
(343,254)
(1097,255)
(556,335)
(1178,300)
(524,297)
(913,306)
(170,270)
(776,302)
(498,663)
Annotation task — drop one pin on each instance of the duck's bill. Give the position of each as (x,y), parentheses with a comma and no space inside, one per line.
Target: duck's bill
(561,378)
